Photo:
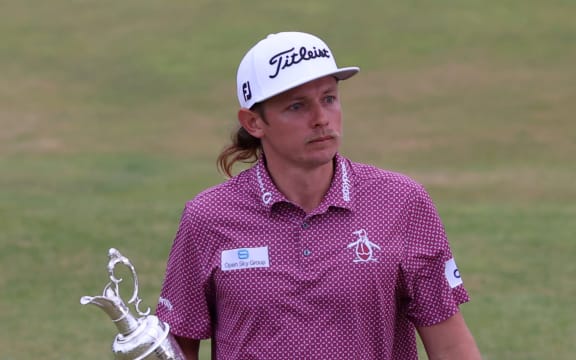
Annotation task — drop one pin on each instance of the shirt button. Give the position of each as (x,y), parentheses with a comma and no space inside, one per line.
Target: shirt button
(307,252)
(305,225)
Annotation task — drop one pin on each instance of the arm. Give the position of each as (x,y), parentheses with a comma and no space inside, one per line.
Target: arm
(189,347)
(449,340)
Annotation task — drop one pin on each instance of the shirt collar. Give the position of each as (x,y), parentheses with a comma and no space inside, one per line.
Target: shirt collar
(339,194)
(268,193)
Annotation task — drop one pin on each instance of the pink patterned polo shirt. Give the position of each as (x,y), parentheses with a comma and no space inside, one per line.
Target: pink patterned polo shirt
(349,280)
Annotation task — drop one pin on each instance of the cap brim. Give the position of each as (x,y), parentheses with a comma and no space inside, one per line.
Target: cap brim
(340,74)
(346,73)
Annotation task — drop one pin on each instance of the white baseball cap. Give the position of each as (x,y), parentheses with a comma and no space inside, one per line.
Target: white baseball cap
(284,61)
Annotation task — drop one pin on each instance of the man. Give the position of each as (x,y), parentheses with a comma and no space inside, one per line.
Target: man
(308,255)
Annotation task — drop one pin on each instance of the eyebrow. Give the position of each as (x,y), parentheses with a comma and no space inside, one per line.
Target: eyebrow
(329,89)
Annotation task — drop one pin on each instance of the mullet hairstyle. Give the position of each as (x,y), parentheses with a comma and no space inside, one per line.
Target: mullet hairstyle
(243,148)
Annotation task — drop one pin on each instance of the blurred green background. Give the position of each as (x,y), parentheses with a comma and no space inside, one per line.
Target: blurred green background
(112,114)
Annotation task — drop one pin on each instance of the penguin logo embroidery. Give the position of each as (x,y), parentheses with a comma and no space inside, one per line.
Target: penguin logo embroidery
(363,247)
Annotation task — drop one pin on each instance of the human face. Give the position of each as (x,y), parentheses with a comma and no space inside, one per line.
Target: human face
(303,126)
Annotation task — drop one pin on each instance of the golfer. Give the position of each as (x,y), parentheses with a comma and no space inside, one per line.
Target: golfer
(307,254)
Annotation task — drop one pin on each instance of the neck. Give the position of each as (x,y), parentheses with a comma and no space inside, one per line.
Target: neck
(304,187)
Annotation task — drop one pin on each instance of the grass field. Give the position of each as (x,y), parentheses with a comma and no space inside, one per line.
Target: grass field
(112,114)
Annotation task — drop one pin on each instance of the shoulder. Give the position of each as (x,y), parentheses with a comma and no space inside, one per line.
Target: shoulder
(370,176)
(220,198)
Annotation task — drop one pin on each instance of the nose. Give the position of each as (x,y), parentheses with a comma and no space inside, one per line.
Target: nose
(320,116)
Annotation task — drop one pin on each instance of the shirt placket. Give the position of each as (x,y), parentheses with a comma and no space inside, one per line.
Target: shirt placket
(305,243)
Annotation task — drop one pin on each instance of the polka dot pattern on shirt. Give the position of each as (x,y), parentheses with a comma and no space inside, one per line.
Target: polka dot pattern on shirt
(349,280)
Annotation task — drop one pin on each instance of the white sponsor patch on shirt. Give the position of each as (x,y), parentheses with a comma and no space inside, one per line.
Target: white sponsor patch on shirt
(452,273)
(244,258)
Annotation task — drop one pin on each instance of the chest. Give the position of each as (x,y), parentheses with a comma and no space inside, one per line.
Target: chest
(337,259)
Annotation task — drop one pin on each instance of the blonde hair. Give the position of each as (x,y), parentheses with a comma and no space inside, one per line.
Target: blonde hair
(244,147)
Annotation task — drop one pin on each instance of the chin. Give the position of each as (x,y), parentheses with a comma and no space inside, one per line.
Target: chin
(322,157)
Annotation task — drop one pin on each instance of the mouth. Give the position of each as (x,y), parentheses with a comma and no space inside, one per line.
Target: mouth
(321,139)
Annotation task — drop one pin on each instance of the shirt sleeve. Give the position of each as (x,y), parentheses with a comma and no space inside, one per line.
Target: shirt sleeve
(432,282)
(183,302)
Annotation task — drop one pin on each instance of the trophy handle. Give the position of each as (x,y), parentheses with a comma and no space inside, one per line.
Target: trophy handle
(117,258)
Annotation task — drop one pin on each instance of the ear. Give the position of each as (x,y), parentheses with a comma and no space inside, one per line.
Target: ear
(251,122)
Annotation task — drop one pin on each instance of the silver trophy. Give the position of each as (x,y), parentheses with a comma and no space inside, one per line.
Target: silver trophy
(142,338)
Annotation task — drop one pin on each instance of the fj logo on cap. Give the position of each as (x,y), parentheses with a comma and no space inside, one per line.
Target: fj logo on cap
(290,57)
(246,91)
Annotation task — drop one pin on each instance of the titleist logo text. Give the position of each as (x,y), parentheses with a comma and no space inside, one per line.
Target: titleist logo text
(290,57)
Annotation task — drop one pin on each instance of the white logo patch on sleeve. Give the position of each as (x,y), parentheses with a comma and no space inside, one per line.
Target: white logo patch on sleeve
(452,274)
(244,258)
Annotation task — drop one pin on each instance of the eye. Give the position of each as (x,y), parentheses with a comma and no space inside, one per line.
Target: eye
(330,99)
(295,106)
